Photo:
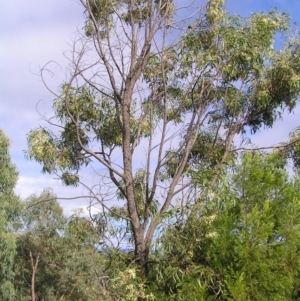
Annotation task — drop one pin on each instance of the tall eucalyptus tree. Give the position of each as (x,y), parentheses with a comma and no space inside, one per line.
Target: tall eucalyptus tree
(151,96)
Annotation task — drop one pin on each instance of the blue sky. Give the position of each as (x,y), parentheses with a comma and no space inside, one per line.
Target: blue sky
(34,32)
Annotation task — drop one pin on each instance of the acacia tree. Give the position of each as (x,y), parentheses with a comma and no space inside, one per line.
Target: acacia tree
(151,97)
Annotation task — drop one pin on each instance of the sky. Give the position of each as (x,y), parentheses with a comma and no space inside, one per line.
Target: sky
(35,32)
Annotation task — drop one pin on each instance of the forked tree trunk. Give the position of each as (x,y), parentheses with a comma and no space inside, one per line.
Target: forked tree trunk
(34,266)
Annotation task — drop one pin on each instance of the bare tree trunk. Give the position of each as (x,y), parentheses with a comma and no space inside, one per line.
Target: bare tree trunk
(34,266)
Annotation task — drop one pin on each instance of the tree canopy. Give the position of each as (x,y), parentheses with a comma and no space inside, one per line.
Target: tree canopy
(8,213)
(153,99)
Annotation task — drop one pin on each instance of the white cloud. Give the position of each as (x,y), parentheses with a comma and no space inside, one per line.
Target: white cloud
(29,185)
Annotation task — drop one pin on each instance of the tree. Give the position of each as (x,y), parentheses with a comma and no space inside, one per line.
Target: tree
(41,223)
(8,212)
(150,109)
(243,245)
(53,262)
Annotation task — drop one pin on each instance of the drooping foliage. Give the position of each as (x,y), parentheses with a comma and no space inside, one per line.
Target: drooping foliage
(146,110)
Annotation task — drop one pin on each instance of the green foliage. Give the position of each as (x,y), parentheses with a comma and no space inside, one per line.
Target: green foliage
(127,286)
(59,253)
(236,49)
(183,100)
(140,186)
(96,120)
(243,242)
(37,246)
(9,206)
(226,67)
(102,14)
(8,175)
(292,151)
